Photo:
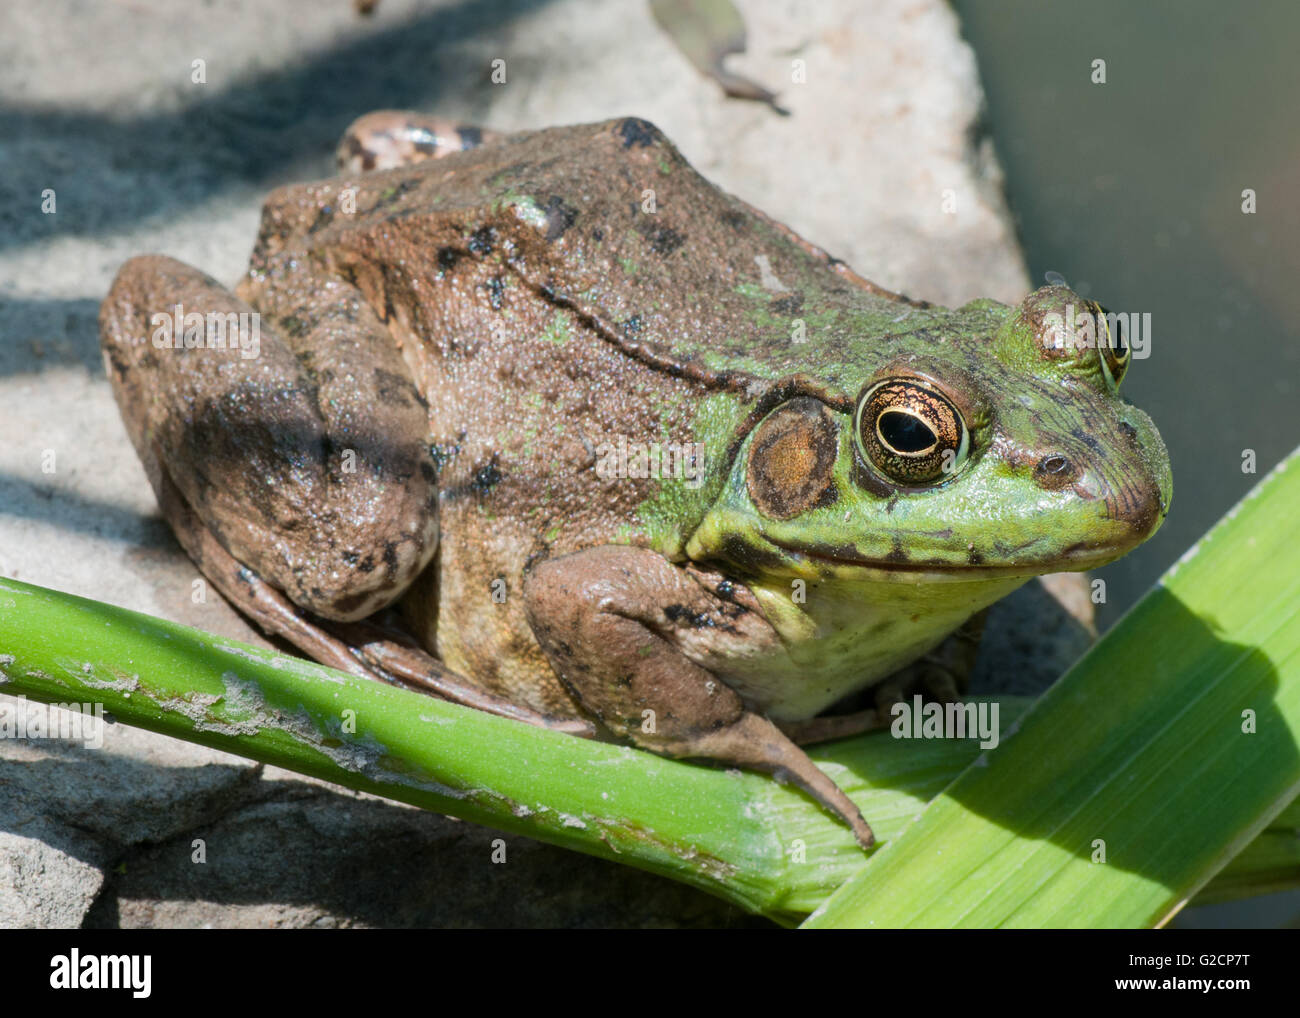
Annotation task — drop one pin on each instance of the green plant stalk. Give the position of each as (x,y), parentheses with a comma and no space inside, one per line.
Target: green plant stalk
(1165,751)
(739,835)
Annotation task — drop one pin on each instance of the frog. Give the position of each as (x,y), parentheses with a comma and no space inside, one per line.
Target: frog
(548,425)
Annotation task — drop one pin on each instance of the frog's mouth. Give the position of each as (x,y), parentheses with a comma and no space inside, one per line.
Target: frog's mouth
(847,562)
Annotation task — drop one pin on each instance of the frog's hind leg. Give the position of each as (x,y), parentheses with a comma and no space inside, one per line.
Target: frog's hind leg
(298,479)
(389,138)
(312,472)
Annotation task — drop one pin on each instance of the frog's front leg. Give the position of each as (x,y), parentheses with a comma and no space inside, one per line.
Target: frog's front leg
(624,629)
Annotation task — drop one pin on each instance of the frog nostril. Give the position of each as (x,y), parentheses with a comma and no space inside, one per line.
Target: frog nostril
(1054,472)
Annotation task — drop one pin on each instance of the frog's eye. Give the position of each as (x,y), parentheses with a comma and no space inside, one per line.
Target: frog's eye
(910,432)
(1112,345)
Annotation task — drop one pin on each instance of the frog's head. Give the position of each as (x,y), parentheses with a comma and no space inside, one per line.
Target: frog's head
(992,442)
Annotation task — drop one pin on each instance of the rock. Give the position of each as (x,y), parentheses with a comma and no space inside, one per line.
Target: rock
(149,154)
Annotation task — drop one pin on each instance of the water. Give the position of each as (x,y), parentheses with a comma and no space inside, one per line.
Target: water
(1132,190)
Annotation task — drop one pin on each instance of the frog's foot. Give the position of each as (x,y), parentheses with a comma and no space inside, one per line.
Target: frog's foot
(941,675)
(624,629)
(388,138)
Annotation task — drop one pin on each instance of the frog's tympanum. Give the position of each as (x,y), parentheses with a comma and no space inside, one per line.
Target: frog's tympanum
(623,456)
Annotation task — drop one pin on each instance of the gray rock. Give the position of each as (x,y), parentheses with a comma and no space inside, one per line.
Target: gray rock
(141,157)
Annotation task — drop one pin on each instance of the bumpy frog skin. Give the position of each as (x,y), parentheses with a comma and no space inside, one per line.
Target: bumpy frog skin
(451,351)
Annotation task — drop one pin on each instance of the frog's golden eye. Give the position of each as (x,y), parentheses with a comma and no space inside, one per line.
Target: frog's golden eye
(1112,345)
(910,432)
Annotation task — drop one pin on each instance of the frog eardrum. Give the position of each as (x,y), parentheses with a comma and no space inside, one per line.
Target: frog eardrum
(910,432)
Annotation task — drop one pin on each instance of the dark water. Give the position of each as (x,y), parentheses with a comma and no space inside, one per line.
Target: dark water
(1132,190)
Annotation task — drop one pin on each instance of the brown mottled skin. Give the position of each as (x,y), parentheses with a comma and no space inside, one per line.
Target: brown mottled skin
(446,346)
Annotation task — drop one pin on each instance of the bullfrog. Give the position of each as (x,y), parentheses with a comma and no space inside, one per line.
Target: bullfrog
(548,425)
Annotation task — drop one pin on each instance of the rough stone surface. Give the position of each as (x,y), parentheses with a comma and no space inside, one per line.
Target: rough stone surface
(101,106)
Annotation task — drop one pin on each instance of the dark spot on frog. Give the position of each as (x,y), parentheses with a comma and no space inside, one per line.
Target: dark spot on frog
(427,472)
(550,293)
(746,557)
(639,133)
(1089,440)
(486,477)
(292,325)
(470,136)
(665,240)
(442,454)
(973,557)
(1128,431)
(394,193)
(482,240)
(631,327)
(868,481)
(790,305)
(598,235)
(495,287)
(734,219)
(447,258)
(680,613)
(559,217)
(354,146)
(896,553)
(324,217)
(393,389)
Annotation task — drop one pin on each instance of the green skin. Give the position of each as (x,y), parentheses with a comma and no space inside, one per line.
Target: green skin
(478,333)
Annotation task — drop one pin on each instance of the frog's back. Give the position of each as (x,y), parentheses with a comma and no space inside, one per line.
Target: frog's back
(609,221)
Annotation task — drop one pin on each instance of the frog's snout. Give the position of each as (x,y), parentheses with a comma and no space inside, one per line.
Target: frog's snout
(1133,482)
